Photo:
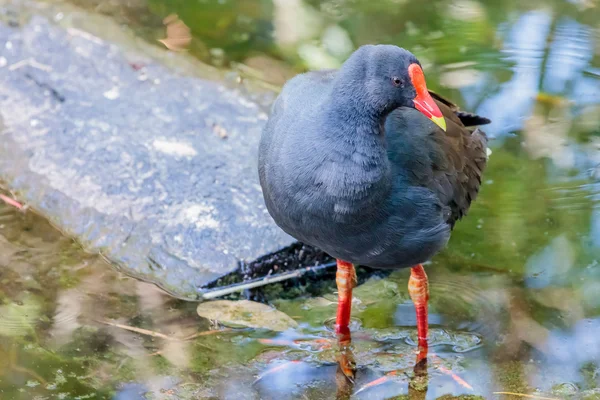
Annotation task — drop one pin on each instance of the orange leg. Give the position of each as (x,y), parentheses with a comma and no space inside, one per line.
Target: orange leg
(346,280)
(418,287)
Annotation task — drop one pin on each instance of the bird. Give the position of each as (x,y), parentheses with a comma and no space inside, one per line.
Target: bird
(367,164)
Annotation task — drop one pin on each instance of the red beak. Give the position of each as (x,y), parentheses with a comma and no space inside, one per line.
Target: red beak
(423,101)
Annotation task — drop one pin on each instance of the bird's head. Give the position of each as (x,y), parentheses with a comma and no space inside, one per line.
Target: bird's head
(392,78)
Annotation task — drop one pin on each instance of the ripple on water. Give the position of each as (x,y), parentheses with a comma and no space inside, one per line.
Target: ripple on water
(19,318)
(459,342)
(355,324)
(469,304)
(68,309)
(576,198)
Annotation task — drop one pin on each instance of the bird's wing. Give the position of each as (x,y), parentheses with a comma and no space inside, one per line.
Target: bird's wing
(449,163)
(458,157)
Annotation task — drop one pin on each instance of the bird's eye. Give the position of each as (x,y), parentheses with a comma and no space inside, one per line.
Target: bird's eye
(397,81)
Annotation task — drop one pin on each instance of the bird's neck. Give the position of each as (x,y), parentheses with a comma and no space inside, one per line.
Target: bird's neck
(355,115)
(358,154)
(350,102)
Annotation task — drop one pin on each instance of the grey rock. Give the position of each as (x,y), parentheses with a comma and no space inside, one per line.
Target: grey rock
(154,170)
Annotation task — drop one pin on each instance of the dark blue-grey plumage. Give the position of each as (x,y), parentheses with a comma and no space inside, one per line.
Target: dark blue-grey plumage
(348,165)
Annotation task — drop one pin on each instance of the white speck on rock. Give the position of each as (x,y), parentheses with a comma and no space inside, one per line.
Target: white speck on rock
(201,216)
(3,62)
(85,35)
(161,114)
(246,103)
(174,148)
(112,94)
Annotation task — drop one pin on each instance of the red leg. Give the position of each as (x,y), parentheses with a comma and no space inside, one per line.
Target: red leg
(346,280)
(418,287)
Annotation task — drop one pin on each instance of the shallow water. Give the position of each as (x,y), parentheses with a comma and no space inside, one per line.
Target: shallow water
(515,298)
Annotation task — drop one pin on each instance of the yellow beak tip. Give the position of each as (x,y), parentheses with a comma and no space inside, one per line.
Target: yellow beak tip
(440,121)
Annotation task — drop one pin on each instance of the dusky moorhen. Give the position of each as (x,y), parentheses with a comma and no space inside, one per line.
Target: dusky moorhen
(368,165)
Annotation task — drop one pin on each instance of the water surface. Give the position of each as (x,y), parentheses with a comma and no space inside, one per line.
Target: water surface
(515,298)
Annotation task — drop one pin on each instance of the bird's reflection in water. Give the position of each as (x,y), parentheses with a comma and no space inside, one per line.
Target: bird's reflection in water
(344,385)
(346,378)
(417,387)
(346,372)
(304,379)
(346,361)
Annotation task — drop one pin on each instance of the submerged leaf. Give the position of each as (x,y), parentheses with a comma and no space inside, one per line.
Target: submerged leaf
(178,34)
(246,313)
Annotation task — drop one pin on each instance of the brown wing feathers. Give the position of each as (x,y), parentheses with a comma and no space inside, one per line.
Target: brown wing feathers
(459,160)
